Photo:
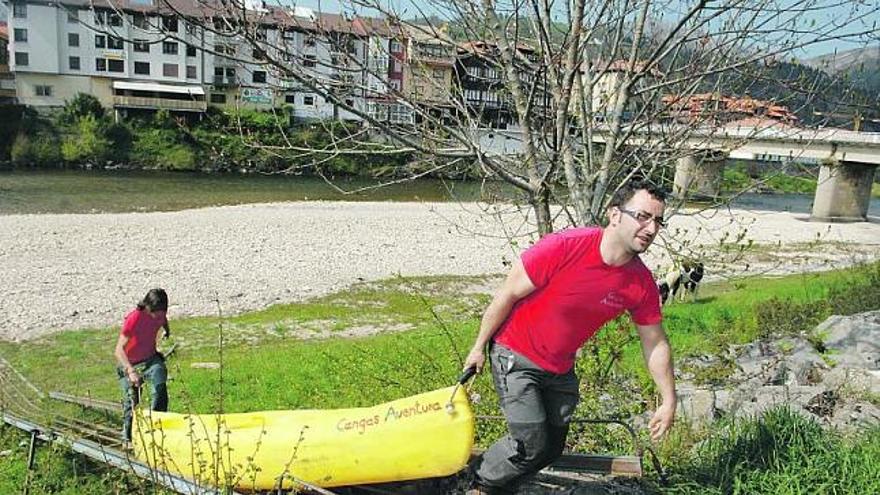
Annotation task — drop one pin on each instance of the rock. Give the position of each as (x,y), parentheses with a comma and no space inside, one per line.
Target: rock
(768,397)
(856,415)
(854,341)
(5,453)
(696,405)
(205,366)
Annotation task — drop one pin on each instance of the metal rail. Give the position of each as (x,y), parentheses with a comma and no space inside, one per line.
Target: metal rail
(21,402)
(115,458)
(616,465)
(103,405)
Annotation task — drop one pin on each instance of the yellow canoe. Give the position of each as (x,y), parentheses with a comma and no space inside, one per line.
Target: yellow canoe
(411,438)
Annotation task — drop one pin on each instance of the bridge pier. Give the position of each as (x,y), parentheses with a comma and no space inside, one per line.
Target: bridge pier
(843,192)
(699,175)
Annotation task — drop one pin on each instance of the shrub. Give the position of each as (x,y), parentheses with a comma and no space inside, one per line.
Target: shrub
(81,105)
(160,148)
(87,142)
(41,151)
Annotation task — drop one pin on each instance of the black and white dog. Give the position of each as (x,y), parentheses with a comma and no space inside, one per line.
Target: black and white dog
(687,277)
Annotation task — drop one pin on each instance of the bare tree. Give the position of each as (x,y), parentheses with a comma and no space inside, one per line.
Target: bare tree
(585,94)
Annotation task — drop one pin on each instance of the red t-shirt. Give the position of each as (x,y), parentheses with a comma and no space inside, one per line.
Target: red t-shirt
(575,294)
(141,330)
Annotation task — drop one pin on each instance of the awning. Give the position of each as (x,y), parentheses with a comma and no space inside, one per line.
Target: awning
(159,88)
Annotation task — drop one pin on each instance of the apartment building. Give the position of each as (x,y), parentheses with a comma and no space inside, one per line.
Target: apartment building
(429,72)
(607,79)
(7,80)
(183,55)
(61,49)
(187,55)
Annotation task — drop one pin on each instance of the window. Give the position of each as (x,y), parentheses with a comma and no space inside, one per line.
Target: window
(101,64)
(230,73)
(218,98)
(114,43)
(259,76)
(72,16)
(439,74)
(21,58)
(108,17)
(310,60)
(100,41)
(72,39)
(142,68)
(141,46)
(308,101)
(310,41)
(290,99)
(115,65)
(43,90)
(191,72)
(19,10)
(140,21)
(73,63)
(349,102)
(224,49)
(169,70)
(190,51)
(395,46)
(169,23)
(20,34)
(169,47)
(258,54)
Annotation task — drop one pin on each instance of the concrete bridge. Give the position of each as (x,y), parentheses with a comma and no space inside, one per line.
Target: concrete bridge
(847,159)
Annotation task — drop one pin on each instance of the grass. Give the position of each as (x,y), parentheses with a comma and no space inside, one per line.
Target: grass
(272,361)
(736,178)
(781,452)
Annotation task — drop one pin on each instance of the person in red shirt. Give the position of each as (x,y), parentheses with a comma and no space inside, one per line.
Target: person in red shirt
(137,357)
(561,291)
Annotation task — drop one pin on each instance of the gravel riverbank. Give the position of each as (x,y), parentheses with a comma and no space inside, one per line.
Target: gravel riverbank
(74,271)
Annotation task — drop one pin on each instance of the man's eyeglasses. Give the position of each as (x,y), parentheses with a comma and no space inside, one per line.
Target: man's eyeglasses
(644,218)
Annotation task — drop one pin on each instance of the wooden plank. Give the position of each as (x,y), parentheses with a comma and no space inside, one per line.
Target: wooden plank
(615,465)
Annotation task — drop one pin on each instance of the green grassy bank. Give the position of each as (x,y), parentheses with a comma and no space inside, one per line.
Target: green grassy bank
(380,341)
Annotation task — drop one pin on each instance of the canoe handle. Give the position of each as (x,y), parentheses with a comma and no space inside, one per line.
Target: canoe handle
(468,373)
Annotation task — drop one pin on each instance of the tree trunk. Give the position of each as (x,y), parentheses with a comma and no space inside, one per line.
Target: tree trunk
(540,202)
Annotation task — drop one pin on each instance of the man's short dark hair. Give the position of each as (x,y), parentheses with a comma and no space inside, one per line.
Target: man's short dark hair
(628,190)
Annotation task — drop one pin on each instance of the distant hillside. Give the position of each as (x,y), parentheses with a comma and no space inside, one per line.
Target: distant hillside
(860,65)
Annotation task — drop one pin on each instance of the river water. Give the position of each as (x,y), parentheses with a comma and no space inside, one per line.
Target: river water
(76,191)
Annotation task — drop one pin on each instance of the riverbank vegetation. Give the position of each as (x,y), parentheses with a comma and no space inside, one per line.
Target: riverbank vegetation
(83,135)
(385,340)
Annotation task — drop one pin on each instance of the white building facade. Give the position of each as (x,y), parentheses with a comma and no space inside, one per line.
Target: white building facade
(138,54)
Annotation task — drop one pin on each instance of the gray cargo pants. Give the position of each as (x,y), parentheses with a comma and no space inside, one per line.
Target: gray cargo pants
(538,406)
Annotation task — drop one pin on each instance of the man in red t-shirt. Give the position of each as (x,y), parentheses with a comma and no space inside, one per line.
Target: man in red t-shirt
(561,291)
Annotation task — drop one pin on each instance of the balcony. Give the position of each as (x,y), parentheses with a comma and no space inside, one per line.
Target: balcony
(159,104)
